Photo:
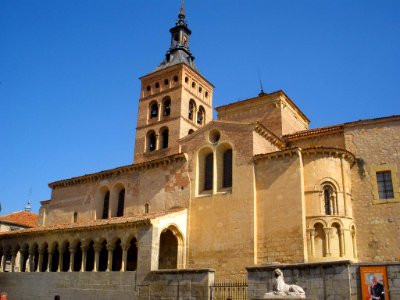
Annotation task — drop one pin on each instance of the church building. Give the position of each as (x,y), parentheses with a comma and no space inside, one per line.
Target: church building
(253,187)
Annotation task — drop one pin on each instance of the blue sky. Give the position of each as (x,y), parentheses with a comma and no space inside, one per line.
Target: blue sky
(69,72)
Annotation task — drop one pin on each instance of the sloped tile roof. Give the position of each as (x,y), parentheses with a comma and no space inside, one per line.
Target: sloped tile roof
(96,224)
(22,218)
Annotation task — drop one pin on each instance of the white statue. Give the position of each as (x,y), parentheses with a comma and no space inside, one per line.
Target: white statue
(280,288)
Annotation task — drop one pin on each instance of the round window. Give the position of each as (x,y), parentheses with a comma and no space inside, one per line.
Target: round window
(214,136)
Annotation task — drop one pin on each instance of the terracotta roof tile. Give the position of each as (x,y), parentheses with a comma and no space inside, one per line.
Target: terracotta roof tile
(94,224)
(23,218)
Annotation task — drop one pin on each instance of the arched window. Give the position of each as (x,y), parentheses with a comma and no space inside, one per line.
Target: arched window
(103,257)
(164,138)
(106,205)
(45,258)
(131,261)
(190,131)
(77,258)
(117,256)
(227,169)
(208,172)
(201,116)
(192,109)
(330,203)
(151,141)
(319,240)
(146,208)
(121,203)
(153,110)
(65,257)
(166,106)
(90,257)
(75,217)
(55,259)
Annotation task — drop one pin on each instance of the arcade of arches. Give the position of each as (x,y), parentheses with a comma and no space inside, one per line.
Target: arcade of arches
(87,254)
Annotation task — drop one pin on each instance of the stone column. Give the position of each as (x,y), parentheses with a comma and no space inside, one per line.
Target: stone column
(22,253)
(328,241)
(13,256)
(97,248)
(84,249)
(312,242)
(31,260)
(72,251)
(40,261)
(159,115)
(353,238)
(344,185)
(50,262)
(125,248)
(110,249)
(3,261)
(60,259)
(342,243)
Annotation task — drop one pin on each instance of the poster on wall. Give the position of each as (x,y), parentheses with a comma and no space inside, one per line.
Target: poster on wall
(374,285)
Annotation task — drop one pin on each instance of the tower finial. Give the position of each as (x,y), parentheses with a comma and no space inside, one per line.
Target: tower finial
(261,85)
(182,14)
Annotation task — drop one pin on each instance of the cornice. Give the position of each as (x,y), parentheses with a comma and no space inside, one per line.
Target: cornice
(116,172)
(276,155)
(329,151)
(160,94)
(314,132)
(268,135)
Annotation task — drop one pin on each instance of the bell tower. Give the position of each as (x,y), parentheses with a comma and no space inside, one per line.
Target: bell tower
(175,99)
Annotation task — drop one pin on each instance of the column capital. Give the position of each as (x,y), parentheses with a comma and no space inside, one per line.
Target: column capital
(97,247)
(110,247)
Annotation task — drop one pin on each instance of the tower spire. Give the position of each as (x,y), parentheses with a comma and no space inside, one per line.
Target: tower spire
(179,51)
(182,14)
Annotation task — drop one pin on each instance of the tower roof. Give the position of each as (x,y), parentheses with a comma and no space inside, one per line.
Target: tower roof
(179,51)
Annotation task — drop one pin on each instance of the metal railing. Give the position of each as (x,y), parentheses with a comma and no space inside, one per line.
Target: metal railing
(229,290)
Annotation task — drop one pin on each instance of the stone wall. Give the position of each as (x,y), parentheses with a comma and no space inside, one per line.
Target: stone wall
(166,285)
(330,280)
(177,284)
(376,147)
(69,285)
(319,280)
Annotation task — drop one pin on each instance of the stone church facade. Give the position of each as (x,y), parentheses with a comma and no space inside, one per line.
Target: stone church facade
(254,187)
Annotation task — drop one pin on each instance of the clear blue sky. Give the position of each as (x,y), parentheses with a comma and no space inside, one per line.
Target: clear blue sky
(69,72)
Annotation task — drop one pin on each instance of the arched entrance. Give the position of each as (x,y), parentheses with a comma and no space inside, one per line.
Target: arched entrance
(171,249)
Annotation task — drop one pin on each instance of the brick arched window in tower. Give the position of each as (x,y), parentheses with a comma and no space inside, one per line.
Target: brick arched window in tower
(166,106)
(208,172)
(121,203)
(153,110)
(192,109)
(151,141)
(106,205)
(227,169)
(201,115)
(164,138)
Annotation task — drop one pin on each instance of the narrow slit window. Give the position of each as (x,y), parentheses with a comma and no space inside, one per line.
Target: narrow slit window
(106,205)
(121,203)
